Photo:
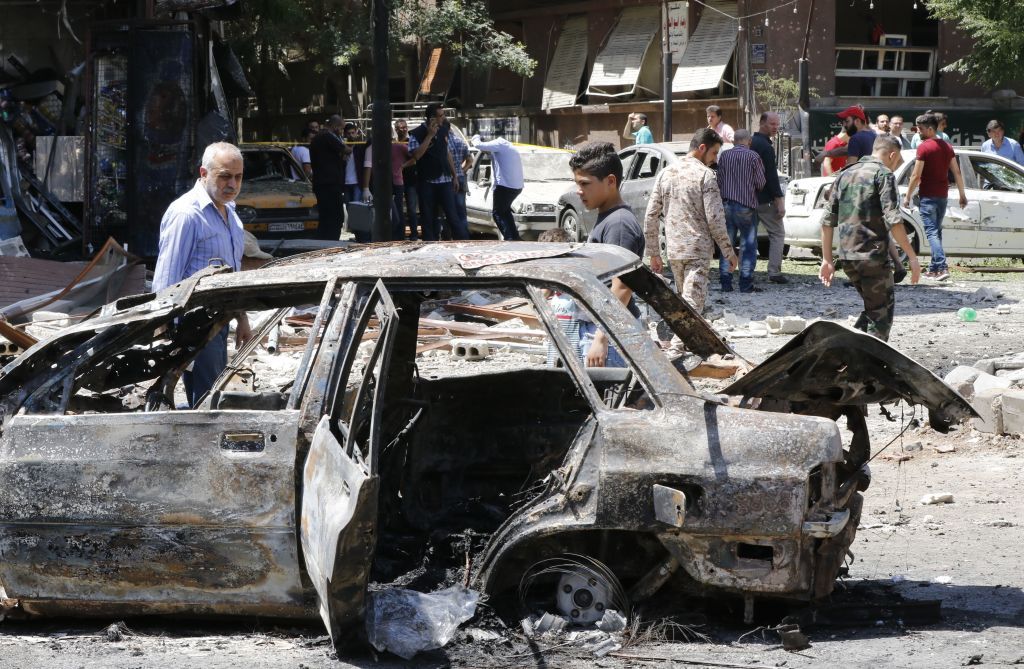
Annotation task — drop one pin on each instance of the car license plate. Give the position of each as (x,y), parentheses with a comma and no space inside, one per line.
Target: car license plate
(798,198)
(289,226)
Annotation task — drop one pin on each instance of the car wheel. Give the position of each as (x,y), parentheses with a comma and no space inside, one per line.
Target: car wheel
(572,224)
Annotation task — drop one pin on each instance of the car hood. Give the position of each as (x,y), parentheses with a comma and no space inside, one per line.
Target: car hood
(840,366)
(276,194)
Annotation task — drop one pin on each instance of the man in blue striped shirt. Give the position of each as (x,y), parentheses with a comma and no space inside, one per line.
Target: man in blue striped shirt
(740,176)
(198,230)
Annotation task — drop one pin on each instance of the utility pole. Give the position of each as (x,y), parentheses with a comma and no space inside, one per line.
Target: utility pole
(804,103)
(666,76)
(381,131)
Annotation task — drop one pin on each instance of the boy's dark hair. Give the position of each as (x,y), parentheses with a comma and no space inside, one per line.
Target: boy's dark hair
(598,159)
(928,119)
(431,110)
(705,136)
(554,235)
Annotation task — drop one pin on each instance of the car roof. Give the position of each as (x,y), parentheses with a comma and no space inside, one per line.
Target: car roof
(436,260)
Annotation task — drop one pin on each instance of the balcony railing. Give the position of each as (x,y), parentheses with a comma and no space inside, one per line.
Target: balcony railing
(889,71)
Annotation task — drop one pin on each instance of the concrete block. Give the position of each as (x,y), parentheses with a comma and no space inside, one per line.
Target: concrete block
(989,405)
(470,350)
(785,324)
(1013,412)
(961,379)
(986,365)
(990,381)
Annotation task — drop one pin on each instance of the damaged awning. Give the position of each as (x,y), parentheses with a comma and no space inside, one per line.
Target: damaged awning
(708,50)
(562,85)
(618,67)
(439,73)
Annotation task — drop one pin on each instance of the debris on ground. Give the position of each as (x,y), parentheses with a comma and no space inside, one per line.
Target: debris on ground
(937,498)
(117,631)
(406,622)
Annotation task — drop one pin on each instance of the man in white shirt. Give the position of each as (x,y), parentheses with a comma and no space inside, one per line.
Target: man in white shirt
(301,154)
(508,183)
(716,123)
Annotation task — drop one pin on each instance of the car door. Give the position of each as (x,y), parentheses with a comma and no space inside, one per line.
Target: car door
(479,193)
(340,481)
(999,191)
(160,512)
(636,188)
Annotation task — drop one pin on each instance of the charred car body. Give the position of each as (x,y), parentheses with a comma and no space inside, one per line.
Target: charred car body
(289,501)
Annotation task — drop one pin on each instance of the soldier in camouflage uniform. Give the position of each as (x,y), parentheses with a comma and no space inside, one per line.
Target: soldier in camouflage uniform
(865,206)
(686,195)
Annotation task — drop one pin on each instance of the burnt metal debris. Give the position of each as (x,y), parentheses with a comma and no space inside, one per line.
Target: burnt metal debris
(290,500)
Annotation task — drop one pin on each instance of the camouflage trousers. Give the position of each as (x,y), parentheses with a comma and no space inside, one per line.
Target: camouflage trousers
(873,280)
(692,281)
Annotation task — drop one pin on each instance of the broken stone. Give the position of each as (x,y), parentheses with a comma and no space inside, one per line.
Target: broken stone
(611,621)
(945,448)
(942,580)
(986,381)
(937,498)
(961,379)
(792,638)
(1003,309)
(785,324)
(986,365)
(989,405)
(998,523)
(983,294)
(1013,412)
(913,446)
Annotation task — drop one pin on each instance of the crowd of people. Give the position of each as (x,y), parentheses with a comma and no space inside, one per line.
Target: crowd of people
(707,198)
(429,167)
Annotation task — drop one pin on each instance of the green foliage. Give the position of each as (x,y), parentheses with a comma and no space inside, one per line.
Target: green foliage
(334,32)
(778,94)
(997,27)
(466,26)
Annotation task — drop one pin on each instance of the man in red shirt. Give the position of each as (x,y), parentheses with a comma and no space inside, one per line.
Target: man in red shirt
(830,165)
(935,158)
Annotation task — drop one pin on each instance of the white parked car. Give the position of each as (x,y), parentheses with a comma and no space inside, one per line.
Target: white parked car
(546,176)
(992,224)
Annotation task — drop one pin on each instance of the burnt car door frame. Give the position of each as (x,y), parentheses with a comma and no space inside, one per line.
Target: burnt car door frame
(340,492)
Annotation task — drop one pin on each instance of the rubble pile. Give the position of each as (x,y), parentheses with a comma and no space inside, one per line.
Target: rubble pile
(995,387)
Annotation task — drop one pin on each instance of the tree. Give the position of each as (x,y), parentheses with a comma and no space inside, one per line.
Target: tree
(778,94)
(997,27)
(333,33)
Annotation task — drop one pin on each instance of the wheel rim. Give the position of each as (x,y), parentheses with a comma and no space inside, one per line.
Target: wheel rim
(571,224)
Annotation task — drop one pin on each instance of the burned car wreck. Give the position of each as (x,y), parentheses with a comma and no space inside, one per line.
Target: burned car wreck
(289,501)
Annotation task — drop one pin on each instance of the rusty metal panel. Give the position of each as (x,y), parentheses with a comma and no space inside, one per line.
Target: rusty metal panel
(150,513)
(339,519)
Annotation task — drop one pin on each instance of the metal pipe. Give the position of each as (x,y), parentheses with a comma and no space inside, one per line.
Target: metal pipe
(666,76)
(381,131)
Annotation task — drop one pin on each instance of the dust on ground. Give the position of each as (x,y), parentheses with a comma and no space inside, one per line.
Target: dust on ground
(965,553)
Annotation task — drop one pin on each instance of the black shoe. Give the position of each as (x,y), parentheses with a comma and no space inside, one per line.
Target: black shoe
(726,288)
(752,289)
(778,279)
(848,284)
(899,274)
